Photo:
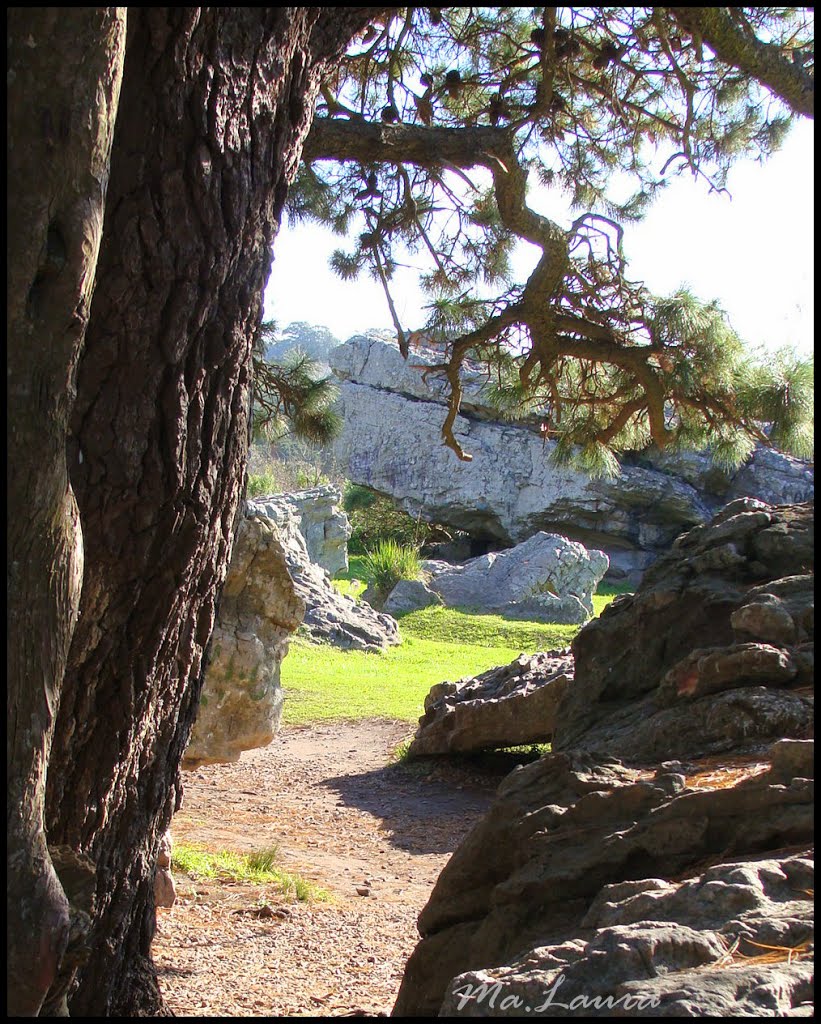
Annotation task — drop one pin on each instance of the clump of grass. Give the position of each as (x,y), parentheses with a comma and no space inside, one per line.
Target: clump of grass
(401,752)
(389,562)
(258,867)
(263,484)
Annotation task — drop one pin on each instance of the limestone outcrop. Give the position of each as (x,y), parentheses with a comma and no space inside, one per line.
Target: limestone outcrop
(329,615)
(503,707)
(511,489)
(322,522)
(665,844)
(406,596)
(546,578)
(241,703)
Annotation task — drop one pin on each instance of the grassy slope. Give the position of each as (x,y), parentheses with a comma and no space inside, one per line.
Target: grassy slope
(323,683)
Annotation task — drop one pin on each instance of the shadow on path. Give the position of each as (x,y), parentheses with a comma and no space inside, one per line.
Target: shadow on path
(420,802)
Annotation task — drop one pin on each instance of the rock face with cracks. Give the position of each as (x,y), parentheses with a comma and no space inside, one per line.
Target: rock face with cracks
(322,522)
(660,859)
(504,707)
(329,615)
(714,652)
(546,578)
(241,701)
(511,489)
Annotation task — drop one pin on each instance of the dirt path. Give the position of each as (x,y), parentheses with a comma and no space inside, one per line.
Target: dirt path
(343,816)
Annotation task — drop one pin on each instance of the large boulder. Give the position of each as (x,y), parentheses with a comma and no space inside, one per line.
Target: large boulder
(665,843)
(241,702)
(329,616)
(652,948)
(406,596)
(322,522)
(547,578)
(511,489)
(714,650)
(503,707)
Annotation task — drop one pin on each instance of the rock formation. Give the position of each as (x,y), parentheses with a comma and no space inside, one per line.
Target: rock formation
(272,588)
(329,615)
(322,522)
(511,489)
(503,707)
(663,850)
(712,653)
(241,701)
(406,596)
(546,578)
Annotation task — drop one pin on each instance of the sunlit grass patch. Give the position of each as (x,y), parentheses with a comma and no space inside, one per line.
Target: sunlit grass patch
(324,683)
(258,867)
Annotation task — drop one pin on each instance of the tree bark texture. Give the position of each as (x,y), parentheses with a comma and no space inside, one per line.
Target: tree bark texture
(214,107)
(60,131)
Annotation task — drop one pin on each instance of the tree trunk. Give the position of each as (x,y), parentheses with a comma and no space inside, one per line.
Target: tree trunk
(60,129)
(214,108)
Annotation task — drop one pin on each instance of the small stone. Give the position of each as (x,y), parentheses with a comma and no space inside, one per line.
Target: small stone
(363,890)
(766,619)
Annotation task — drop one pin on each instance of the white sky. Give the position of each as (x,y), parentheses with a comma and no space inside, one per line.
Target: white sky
(754,253)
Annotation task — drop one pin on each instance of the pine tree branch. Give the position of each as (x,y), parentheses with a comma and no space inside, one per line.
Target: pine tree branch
(763,61)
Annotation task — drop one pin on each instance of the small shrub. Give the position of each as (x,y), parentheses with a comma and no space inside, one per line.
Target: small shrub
(262,484)
(374,518)
(390,562)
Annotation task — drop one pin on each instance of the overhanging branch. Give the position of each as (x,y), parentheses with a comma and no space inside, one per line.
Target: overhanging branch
(763,61)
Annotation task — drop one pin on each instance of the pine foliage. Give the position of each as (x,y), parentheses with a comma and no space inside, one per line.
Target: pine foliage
(292,396)
(427,137)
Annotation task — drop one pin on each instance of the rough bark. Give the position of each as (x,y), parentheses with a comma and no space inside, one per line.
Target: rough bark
(214,107)
(60,129)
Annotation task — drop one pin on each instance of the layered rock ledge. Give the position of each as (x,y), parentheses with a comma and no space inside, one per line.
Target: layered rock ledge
(511,489)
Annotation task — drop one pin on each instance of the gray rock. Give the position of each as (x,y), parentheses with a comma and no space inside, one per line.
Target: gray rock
(504,707)
(322,522)
(511,489)
(241,702)
(330,616)
(409,596)
(547,577)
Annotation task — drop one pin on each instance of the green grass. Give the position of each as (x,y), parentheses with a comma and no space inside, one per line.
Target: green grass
(354,582)
(323,683)
(258,868)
